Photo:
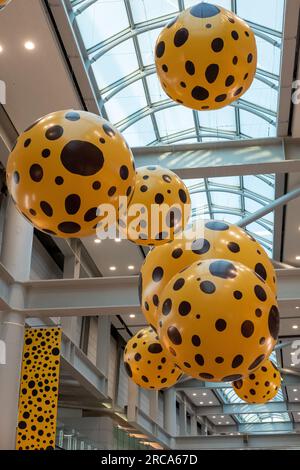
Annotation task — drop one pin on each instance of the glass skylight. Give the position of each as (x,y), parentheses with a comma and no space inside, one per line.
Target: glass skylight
(119,37)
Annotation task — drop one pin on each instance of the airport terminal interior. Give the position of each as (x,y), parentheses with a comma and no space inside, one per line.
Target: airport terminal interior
(113,343)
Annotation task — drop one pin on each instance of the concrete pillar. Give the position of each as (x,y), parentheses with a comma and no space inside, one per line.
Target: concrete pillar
(170,411)
(182,418)
(204,428)
(16,256)
(153,408)
(194,430)
(103,344)
(71,271)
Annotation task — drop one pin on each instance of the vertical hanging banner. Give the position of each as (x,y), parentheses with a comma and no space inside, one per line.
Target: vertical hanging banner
(39,389)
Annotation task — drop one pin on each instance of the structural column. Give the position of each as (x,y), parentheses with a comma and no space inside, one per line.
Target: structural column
(194,430)
(182,418)
(170,411)
(16,257)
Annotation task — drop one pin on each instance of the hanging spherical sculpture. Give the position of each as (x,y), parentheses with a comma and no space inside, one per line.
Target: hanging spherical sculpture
(206,57)
(159,207)
(3,3)
(261,386)
(148,364)
(219,320)
(64,166)
(210,239)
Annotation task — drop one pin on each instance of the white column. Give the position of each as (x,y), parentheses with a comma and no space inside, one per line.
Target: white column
(103,344)
(170,411)
(153,405)
(16,256)
(194,430)
(182,418)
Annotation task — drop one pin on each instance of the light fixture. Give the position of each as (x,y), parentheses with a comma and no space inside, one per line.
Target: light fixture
(204,394)
(227,422)
(295,327)
(295,390)
(220,422)
(213,417)
(222,417)
(117,240)
(298,413)
(1,48)
(132,315)
(97,240)
(201,402)
(296,399)
(29,45)
(130,267)
(210,402)
(292,364)
(194,394)
(112,268)
(298,258)
(297,308)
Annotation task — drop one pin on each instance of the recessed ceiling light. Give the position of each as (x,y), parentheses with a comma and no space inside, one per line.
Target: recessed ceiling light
(117,240)
(296,399)
(1,48)
(222,417)
(194,394)
(97,240)
(201,402)
(292,365)
(204,394)
(112,268)
(295,327)
(298,258)
(219,422)
(131,267)
(29,45)
(132,315)
(295,390)
(297,308)
(213,417)
(210,402)
(298,413)
(227,422)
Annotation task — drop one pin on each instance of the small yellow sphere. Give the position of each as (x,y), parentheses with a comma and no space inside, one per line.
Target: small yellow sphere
(3,3)
(64,166)
(213,239)
(159,207)
(261,386)
(219,320)
(206,57)
(148,364)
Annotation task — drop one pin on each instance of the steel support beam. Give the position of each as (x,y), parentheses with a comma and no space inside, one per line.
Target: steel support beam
(244,408)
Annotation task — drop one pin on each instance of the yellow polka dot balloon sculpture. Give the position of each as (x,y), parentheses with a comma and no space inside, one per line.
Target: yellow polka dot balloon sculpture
(212,239)
(261,386)
(64,166)
(3,3)
(219,320)
(148,364)
(159,208)
(206,57)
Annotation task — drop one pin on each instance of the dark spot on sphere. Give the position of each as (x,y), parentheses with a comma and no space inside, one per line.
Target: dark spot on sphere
(165,68)
(238,384)
(205,375)
(217,226)
(124,172)
(155,300)
(145,379)
(273,322)
(220,325)
(261,271)
(72,116)
(36,172)
(72,204)
(46,208)
(157,274)
(199,93)
(199,359)
(207,287)
(237,295)
(229,80)
(231,378)
(237,361)
(181,36)
(182,196)
(140,287)
(46,153)
(247,328)
(200,246)
(27,143)
(233,247)
(223,269)
(249,58)
(155,348)
(219,360)
(235,35)
(54,132)
(96,185)
(196,340)
(174,335)
(137,357)
(69,227)
(128,369)
(238,91)
(257,361)
(184,308)
(111,191)
(204,10)
(59,180)
(235,60)
(177,253)
(159,198)
(167,306)
(82,158)
(183,84)
(212,73)
(160,49)
(144,188)
(22,425)
(108,130)
(260,293)
(16,177)
(217,45)
(55,351)
(220,98)
(90,214)
(178,284)
(252,391)
(187,364)
(190,67)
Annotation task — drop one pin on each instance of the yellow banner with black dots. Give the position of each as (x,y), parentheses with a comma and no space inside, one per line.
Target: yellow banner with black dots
(39,389)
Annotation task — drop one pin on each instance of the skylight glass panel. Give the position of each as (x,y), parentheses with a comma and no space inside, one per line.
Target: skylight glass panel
(265,12)
(115,64)
(156,91)
(259,187)
(225,199)
(126,102)
(221,120)
(147,45)
(222,3)
(174,119)
(102,20)
(268,56)
(262,94)
(233,181)
(145,10)
(256,127)
(139,132)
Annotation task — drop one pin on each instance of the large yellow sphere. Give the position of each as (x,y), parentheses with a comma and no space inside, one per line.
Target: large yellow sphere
(218,319)
(64,166)
(261,386)
(3,3)
(206,58)
(159,207)
(148,364)
(213,239)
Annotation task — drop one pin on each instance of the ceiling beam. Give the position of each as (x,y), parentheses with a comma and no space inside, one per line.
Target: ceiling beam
(243,408)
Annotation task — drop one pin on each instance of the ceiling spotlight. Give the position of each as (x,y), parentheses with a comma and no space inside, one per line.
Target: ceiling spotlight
(97,240)
(295,390)
(297,308)
(222,417)
(29,45)
(298,413)
(1,48)
(194,394)
(117,240)
(132,315)
(219,422)
(295,327)
(296,399)
(210,402)
(204,394)
(213,417)
(112,268)
(292,364)
(201,402)
(131,267)
(227,422)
